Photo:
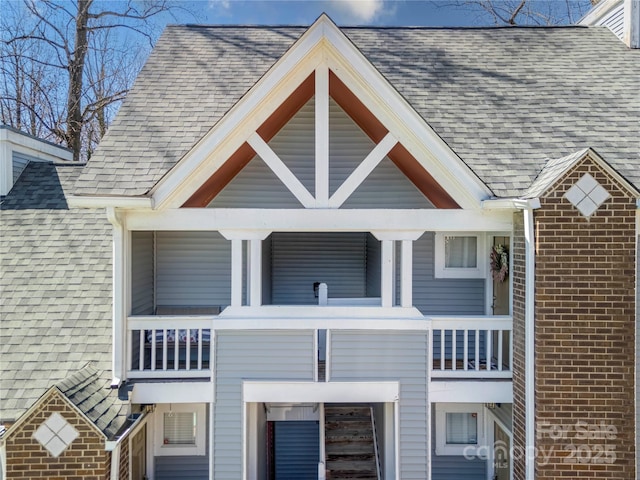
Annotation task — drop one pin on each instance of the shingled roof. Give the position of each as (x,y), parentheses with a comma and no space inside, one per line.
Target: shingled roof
(90,391)
(55,276)
(504,99)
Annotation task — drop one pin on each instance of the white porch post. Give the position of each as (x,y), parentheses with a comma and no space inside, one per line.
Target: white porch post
(236,272)
(255,272)
(406,285)
(387,292)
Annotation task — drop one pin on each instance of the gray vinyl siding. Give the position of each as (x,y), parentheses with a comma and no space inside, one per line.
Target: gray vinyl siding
(374,266)
(187,467)
(142,274)
(300,259)
(443,296)
(193,269)
(266,271)
(255,355)
(256,186)
(391,356)
(19,163)
(454,467)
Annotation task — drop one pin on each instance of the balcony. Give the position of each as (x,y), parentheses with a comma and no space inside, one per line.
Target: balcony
(320,342)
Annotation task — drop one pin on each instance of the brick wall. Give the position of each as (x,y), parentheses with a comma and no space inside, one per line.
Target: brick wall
(518,274)
(84,459)
(585,334)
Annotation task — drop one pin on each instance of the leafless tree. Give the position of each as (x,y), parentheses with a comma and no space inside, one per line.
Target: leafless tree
(67,65)
(530,12)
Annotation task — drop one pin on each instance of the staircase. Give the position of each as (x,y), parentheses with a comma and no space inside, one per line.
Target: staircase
(349,441)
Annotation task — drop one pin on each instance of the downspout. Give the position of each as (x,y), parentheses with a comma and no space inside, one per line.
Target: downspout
(529,327)
(118,299)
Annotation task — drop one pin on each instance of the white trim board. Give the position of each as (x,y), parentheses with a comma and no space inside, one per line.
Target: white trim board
(172,392)
(262,221)
(319,392)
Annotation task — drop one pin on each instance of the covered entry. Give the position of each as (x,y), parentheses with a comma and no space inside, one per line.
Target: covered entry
(293,441)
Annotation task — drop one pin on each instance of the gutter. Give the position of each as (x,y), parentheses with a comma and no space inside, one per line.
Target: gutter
(527,206)
(114,446)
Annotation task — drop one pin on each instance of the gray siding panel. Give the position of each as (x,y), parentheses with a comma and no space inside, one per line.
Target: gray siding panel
(443,296)
(142,274)
(188,467)
(458,468)
(300,259)
(256,355)
(193,269)
(256,186)
(396,356)
(20,161)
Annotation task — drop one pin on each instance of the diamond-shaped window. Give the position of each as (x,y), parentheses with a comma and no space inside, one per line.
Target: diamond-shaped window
(587,195)
(55,434)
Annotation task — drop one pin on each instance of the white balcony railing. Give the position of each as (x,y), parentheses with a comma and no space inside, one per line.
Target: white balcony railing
(479,347)
(169,347)
(182,346)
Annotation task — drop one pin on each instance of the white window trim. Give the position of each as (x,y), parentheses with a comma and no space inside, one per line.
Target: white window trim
(480,271)
(166,450)
(442,448)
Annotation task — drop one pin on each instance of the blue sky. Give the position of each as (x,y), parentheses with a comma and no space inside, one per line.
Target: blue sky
(363,12)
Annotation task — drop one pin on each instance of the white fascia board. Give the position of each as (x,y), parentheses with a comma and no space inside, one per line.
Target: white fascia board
(241,121)
(172,392)
(511,203)
(320,220)
(320,392)
(35,147)
(401,119)
(485,391)
(77,201)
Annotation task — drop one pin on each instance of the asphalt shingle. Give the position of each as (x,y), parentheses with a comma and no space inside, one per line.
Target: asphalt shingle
(55,276)
(504,99)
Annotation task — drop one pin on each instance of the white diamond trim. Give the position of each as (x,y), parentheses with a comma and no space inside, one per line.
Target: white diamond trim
(587,195)
(55,434)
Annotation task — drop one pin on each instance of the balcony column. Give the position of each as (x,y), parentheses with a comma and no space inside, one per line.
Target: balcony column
(406,274)
(254,271)
(252,264)
(388,281)
(387,287)
(236,272)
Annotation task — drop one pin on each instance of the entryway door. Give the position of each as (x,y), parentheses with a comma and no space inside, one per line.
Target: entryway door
(501,454)
(296,450)
(139,455)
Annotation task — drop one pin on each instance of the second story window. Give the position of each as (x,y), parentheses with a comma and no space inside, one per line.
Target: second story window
(460,255)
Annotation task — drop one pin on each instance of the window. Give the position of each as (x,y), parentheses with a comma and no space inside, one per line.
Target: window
(180,429)
(459,428)
(460,255)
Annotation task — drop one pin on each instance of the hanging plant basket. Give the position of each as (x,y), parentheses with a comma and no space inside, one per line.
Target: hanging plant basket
(499,262)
